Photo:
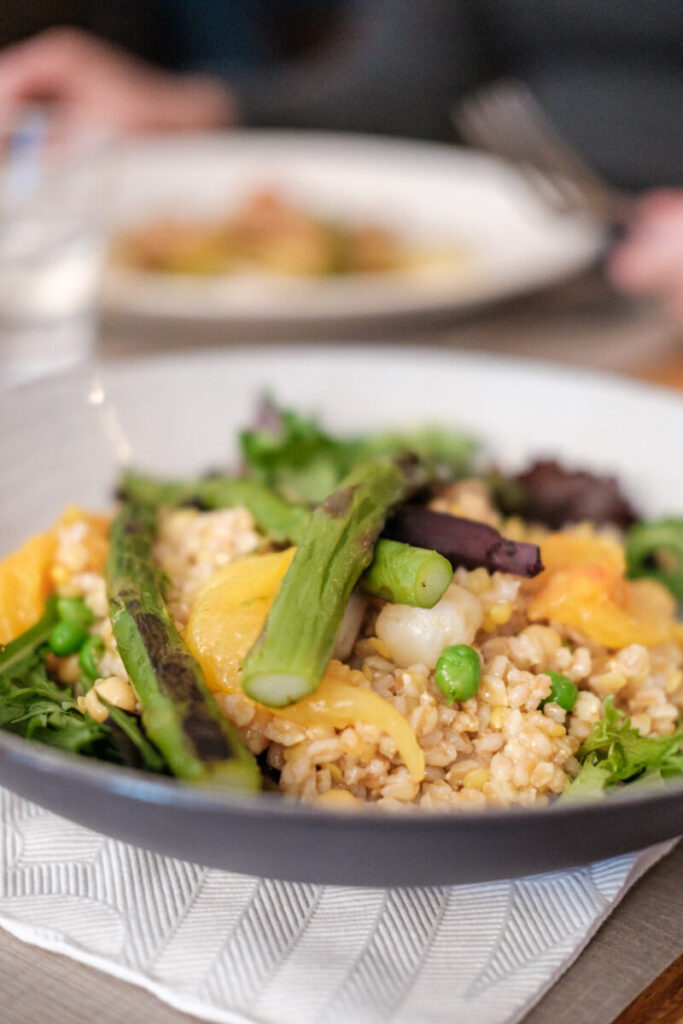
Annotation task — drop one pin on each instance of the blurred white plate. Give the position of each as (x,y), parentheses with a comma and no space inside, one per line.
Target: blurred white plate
(429,194)
(180,414)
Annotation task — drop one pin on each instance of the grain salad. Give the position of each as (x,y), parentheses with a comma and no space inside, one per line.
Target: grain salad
(556,672)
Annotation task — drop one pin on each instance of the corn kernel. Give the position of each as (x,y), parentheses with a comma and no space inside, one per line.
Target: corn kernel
(419,682)
(477,778)
(338,799)
(514,528)
(291,753)
(380,647)
(478,581)
(496,616)
(499,614)
(674,678)
(334,770)
(59,575)
(497,719)
(608,682)
(367,751)
(556,730)
(492,690)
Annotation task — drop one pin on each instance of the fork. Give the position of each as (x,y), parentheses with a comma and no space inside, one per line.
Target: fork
(505,119)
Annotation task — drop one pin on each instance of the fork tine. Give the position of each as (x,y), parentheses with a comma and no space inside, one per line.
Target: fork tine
(506,119)
(516,119)
(559,155)
(481,125)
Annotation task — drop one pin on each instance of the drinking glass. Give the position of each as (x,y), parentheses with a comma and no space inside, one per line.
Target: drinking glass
(52,244)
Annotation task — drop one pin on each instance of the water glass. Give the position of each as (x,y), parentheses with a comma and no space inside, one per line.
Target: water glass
(52,242)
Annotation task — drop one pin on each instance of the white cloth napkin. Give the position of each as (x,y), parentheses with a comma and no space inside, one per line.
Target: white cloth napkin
(237,949)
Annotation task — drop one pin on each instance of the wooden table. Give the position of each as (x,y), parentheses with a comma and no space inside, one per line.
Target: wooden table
(582,323)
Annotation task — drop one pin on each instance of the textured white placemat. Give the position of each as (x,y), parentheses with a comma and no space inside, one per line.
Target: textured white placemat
(237,949)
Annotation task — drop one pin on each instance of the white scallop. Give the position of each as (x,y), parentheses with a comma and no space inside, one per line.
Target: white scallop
(418,635)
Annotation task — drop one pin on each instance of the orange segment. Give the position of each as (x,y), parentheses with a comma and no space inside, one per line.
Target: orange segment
(582,598)
(566,548)
(25,583)
(229,613)
(32,572)
(583,586)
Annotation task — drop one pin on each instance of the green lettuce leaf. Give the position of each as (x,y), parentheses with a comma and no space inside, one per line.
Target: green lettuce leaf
(296,457)
(292,454)
(615,753)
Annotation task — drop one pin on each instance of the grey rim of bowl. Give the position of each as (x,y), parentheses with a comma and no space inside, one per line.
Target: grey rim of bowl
(142,787)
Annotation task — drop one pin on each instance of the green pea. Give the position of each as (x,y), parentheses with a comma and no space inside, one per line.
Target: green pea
(562,691)
(458,672)
(67,637)
(91,651)
(74,609)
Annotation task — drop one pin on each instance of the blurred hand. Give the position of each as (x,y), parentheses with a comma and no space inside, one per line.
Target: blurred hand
(93,83)
(650,259)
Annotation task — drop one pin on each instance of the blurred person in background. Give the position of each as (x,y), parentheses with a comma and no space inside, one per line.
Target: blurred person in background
(610,76)
(149,65)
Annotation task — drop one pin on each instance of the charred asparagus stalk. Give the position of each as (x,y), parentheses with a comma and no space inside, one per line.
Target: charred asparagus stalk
(399,572)
(289,658)
(179,713)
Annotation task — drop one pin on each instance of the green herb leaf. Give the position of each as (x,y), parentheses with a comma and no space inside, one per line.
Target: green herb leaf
(15,658)
(39,709)
(150,757)
(655,549)
(297,458)
(449,453)
(33,706)
(615,753)
(590,782)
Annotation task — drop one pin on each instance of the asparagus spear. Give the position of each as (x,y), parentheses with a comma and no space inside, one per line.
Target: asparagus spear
(179,713)
(292,652)
(404,574)
(400,573)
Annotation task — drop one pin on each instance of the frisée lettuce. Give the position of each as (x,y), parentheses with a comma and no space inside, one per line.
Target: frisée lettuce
(615,753)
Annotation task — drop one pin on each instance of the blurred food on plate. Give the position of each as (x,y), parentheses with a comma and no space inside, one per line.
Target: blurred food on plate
(611,81)
(269,232)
